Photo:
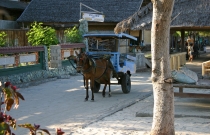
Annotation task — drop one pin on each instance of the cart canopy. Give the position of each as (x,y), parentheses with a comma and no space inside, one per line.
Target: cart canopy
(119,36)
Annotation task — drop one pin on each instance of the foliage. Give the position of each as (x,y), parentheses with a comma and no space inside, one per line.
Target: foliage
(11,97)
(204,33)
(40,35)
(178,34)
(2,38)
(34,129)
(73,35)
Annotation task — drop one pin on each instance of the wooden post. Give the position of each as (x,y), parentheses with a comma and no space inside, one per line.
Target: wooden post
(62,54)
(180,89)
(171,62)
(37,57)
(71,51)
(182,41)
(174,63)
(184,58)
(17,59)
(203,69)
(41,60)
(140,37)
(178,62)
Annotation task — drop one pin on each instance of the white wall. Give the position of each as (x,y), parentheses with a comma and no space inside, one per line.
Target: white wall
(147,37)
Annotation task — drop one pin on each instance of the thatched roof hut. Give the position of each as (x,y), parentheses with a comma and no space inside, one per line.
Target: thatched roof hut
(187,15)
(68,11)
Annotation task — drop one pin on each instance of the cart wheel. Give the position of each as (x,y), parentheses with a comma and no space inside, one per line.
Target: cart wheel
(126,83)
(96,87)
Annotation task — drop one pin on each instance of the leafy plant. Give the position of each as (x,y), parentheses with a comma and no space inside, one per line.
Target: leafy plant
(11,97)
(40,35)
(204,33)
(73,35)
(178,34)
(34,129)
(2,38)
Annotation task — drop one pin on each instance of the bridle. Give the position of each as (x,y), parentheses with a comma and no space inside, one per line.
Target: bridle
(83,64)
(91,67)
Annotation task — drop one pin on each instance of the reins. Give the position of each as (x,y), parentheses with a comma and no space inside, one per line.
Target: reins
(87,70)
(72,65)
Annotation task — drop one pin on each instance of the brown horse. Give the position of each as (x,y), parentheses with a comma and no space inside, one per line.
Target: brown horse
(98,70)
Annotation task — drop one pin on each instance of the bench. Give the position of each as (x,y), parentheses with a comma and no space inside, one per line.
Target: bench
(205,68)
(191,95)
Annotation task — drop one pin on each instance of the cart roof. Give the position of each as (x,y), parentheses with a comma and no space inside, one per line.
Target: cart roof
(121,36)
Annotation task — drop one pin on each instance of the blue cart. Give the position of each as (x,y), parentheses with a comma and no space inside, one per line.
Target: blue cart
(98,45)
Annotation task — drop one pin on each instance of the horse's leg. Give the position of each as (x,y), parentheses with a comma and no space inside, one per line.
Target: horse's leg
(84,80)
(86,83)
(92,88)
(109,90)
(103,93)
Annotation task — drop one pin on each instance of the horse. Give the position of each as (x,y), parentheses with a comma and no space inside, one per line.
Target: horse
(99,70)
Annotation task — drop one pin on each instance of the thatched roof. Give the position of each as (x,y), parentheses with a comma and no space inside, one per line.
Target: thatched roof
(190,14)
(13,5)
(65,11)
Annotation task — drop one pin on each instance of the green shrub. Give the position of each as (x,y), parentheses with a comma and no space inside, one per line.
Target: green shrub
(2,38)
(39,35)
(73,35)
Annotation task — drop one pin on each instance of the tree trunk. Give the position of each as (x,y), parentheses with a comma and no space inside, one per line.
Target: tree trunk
(163,113)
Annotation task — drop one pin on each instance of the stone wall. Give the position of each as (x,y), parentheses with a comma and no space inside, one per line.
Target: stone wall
(45,74)
(40,76)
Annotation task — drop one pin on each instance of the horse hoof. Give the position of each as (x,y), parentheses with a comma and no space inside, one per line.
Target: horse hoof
(86,100)
(110,95)
(103,95)
(92,100)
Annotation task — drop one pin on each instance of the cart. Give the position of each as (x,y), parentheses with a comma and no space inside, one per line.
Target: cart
(98,45)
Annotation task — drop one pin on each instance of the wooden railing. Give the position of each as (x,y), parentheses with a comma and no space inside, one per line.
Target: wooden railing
(14,56)
(206,68)
(18,59)
(177,60)
(69,49)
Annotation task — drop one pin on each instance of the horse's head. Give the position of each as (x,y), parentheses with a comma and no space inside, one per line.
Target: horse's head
(81,61)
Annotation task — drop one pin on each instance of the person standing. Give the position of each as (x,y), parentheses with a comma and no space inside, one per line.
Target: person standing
(190,41)
(190,52)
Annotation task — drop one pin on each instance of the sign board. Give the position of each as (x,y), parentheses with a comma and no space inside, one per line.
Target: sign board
(93,17)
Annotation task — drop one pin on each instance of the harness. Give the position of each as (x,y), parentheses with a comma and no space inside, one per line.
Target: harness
(97,79)
(93,67)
